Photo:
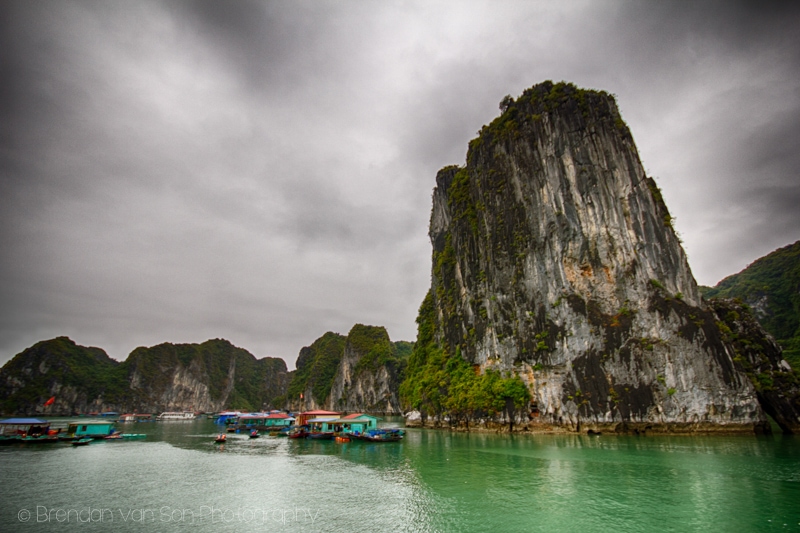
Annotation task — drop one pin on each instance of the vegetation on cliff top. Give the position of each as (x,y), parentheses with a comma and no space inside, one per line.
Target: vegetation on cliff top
(537,102)
(771,287)
(375,348)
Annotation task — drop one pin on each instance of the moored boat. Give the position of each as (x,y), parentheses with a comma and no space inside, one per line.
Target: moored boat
(379,435)
(126,436)
(177,415)
(83,441)
(321,435)
(298,433)
(39,439)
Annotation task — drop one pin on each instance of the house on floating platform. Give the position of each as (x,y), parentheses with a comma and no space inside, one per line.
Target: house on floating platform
(95,430)
(266,421)
(228,417)
(23,427)
(323,424)
(356,423)
(304,418)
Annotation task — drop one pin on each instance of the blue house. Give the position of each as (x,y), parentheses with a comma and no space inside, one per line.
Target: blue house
(91,429)
(356,423)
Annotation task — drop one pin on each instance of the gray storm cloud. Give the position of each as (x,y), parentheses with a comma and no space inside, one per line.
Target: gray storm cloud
(262,171)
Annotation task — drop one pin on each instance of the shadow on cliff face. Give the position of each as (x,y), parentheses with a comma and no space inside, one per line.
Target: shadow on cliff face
(756,354)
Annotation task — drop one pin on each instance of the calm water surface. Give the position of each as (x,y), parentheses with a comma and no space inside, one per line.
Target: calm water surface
(178,479)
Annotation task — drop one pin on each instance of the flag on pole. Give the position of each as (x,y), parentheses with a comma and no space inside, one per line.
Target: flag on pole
(50,401)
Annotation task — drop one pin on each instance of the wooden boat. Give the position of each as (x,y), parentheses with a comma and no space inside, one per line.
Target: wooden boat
(126,436)
(221,438)
(380,435)
(83,441)
(321,435)
(298,433)
(38,439)
(384,437)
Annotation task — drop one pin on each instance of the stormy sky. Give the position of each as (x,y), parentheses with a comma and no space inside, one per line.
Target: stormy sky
(262,171)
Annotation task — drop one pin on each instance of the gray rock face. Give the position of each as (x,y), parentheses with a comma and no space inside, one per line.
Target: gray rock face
(370,390)
(210,376)
(760,358)
(554,257)
(185,389)
(359,372)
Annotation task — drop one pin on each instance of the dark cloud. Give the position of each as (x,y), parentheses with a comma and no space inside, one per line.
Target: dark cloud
(261,171)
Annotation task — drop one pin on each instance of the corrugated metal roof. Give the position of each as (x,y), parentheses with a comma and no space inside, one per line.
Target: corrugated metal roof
(21,421)
(359,415)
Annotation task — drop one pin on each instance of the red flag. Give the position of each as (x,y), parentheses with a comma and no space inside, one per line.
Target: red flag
(50,401)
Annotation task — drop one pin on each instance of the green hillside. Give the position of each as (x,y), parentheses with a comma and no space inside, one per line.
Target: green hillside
(211,362)
(317,364)
(82,378)
(33,375)
(771,287)
(316,367)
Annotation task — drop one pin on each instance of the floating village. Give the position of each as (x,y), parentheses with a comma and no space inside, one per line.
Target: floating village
(317,424)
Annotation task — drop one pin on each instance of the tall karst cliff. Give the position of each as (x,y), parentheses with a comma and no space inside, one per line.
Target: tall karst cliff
(554,258)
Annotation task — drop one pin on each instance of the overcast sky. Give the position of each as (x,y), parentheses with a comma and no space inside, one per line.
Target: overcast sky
(262,171)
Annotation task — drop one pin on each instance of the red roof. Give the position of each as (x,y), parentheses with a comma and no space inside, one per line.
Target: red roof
(354,415)
(277,415)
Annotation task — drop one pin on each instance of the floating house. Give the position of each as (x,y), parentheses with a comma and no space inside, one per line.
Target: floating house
(326,424)
(95,430)
(227,417)
(266,421)
(356,423)
(19,427)
(304,418)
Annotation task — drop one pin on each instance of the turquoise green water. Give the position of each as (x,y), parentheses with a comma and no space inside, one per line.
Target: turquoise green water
(179,480)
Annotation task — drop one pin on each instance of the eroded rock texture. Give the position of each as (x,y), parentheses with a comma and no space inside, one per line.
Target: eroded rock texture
(554,257)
